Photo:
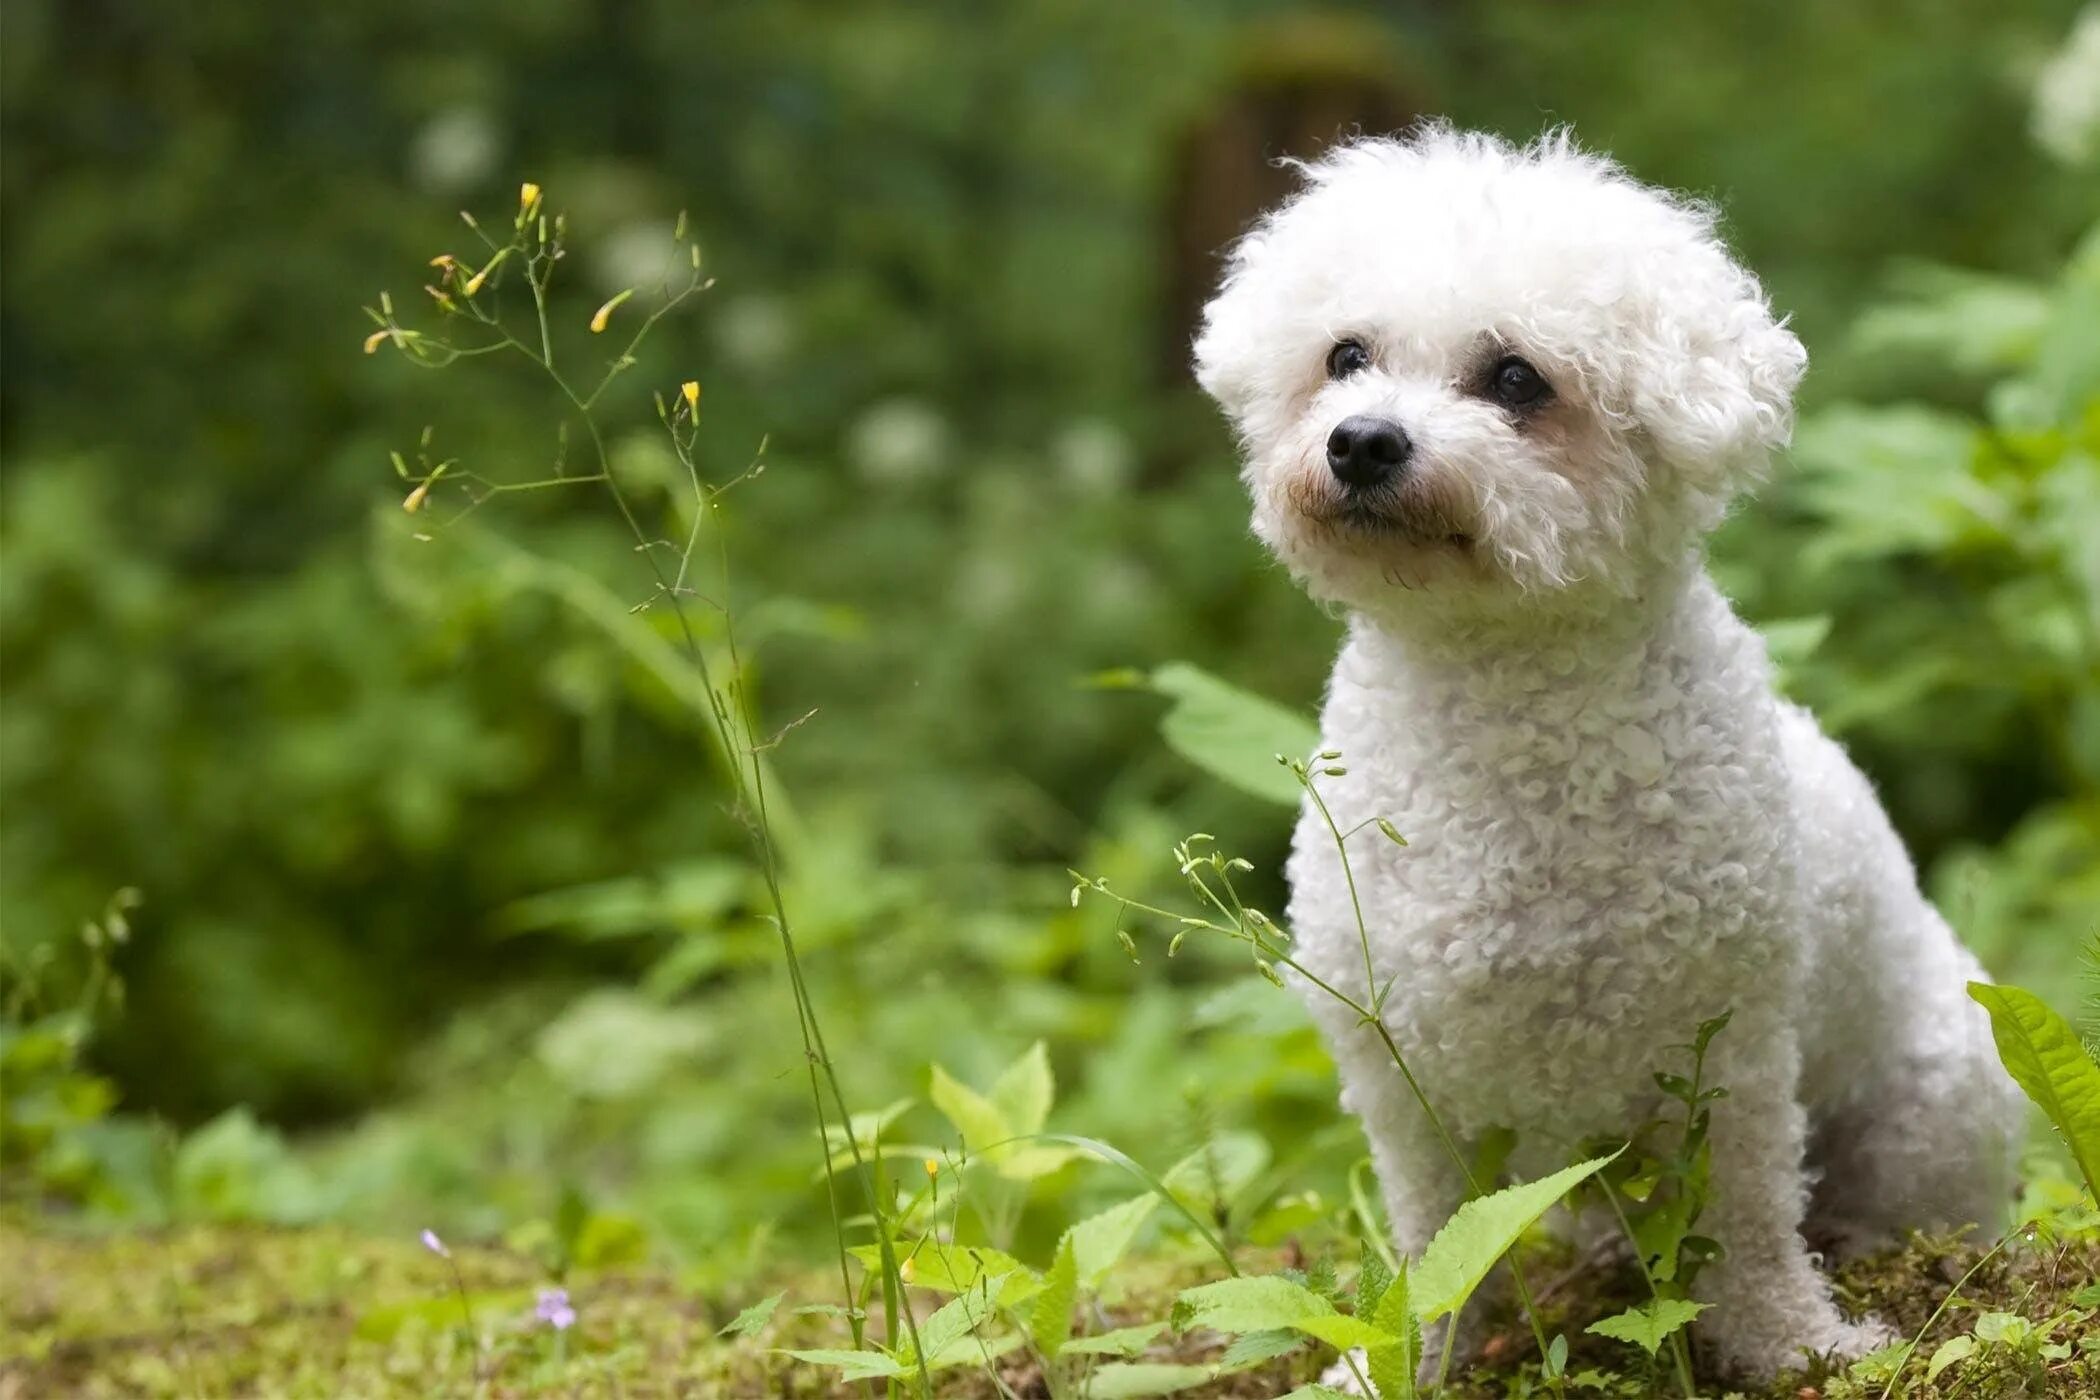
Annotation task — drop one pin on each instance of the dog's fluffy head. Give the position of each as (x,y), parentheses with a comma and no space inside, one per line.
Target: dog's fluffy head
(1438,262)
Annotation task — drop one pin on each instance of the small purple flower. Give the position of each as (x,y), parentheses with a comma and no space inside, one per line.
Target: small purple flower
(435,1245)
(555,1310)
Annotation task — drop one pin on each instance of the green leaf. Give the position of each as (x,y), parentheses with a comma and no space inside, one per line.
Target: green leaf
(1253,1348)
(1316,1391)
(1130,1381)
(2043,1054)
(1233,734)
(1051,1322)
(955,1320)
(856,1365)
(1372,1280)
(1023,1091)
(976,1117)
(1650,1324)
(1344,1333)
(1480,1233)
(752,1318)
(1123,1341)
(1392,1369)
(1100,1240)
(1261,1304)
(1950,1352)
(951,1268)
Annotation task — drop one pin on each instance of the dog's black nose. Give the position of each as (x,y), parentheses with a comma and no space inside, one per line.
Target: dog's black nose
(1363,451)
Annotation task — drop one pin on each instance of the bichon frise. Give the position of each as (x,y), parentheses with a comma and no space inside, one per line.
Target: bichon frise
(1491,401)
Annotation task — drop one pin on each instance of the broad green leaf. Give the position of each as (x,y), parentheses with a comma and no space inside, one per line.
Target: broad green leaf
(1023,1091)
(752,1318)
(976,1117)
(1950,1352)
(974,1349)
(954,1320)
(1343,1333)
(1480,1233)
(1050,1324)
(1123,1341)
(855,1365)
(1233,734)
(1392,1368)
(1316,1391)
(1132,1380)
(1248,1305)
(2044,1055)
(1650,1324)
(1100,1240)
(1253,1348)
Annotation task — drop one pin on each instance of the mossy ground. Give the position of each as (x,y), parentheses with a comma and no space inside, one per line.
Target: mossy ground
(323,1312)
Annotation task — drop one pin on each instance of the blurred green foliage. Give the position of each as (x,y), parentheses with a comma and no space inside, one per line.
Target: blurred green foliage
(434,866)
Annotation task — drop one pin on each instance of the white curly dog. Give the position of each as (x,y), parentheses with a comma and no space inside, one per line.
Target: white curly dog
(1491,401)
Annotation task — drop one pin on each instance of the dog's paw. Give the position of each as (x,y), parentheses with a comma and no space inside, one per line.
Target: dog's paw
(1342,1376)
(1763,1354)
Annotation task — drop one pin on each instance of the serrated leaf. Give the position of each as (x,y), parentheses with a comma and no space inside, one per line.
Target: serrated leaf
(976,1117)
(1233,734)
(1344,1333)
(1649,1325)
(1949,1353)
(1050,1324)
(1261,1304)
(855,1365)
(1024,1090)
(1132,1380)
(1253,1348)
(1392,1368)
(1481,1233)
(2044,1055)
(1372,1279)
(1100,1240)
(752,1318)
(954,1320)
(1123,1341)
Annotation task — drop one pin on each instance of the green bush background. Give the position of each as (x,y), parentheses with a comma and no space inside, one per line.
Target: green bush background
(439,883)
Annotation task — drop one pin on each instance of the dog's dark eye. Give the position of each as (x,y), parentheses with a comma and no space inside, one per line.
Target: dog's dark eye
(1347,358)
(1514,382)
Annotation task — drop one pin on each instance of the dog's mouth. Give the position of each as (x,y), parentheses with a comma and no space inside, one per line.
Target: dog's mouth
(1365,520)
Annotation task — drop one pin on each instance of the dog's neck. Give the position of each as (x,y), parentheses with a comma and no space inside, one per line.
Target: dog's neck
(1576,642)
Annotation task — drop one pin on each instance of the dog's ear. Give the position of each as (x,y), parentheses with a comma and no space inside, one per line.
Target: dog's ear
(1715,388)
(1227,351)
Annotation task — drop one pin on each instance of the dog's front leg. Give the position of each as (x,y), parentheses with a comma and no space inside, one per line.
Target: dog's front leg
(1771,1305)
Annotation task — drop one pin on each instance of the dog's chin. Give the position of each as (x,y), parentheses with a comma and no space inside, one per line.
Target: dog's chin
(1391,530)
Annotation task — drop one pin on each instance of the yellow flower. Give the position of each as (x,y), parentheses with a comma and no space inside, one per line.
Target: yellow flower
(528,200)
(604,313)
(415,499)
(905,1271)
(373,340)
(691,390)
(933,1166)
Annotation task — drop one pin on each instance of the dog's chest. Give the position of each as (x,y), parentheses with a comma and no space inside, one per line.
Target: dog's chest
(1589,872)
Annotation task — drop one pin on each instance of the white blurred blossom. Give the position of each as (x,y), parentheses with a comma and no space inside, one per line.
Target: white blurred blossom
(1093,455)
(898,441)
(455,150)
(2066,118)
(754,332)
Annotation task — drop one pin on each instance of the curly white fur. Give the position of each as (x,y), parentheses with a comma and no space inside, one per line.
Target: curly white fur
(1617,829)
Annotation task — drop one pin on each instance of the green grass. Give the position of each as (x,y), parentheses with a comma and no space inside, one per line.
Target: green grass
(229,1311)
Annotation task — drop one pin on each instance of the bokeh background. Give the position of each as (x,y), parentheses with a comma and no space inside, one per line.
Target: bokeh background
(440,917)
